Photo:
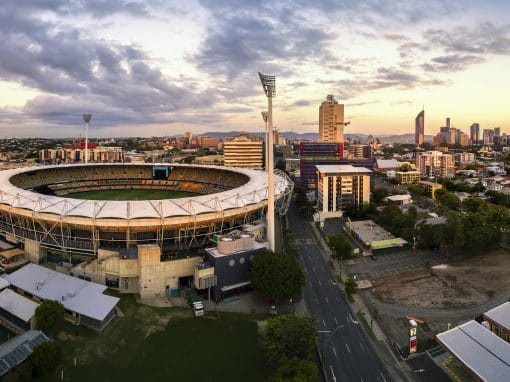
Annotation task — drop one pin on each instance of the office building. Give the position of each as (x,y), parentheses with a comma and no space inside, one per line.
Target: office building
(317,153)
(435,164)
(243,151)
(359,151)
(331,121)
(342,187)
(488,136)
(419,128)
(475,133)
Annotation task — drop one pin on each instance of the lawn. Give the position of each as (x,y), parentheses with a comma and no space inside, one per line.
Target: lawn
(130,195)
(157,344)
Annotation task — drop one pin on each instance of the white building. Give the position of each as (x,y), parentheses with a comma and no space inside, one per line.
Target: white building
(243,151)
(342,186)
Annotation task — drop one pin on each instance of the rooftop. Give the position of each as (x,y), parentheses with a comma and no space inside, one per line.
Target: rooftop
(15,351)
(76,295)
(368,231)
(342,168)
(485,354)
(500,315)
(17,305)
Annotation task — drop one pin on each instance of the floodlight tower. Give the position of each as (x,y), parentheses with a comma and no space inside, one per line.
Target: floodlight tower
(86,120)
(269,86)
(264,117)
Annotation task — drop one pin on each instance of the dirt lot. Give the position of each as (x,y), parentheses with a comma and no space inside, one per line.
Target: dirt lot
(463,283)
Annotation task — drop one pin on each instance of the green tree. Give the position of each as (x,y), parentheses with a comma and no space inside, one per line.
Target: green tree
(296,370)
(341,246)
(379,194)
(289,336)
(49,316)
(350,286)
(276,276)
(473,205)
(448,199)
(45,358)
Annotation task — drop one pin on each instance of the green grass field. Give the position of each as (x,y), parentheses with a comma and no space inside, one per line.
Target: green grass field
(165,344)
(131,195)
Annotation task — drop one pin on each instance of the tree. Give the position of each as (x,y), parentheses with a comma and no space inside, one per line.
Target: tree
(276,276)
(50,316)
(45,358)
(341,246)
(296,370)
(350,286)
(289,336)
(379,194)
(447,199)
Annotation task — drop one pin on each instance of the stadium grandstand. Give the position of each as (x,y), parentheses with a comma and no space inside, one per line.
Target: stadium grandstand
(38,207)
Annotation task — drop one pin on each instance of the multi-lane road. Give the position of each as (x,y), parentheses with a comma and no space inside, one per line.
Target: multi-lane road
(346,352)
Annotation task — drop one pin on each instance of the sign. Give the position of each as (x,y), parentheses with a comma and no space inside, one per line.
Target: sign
(413,341)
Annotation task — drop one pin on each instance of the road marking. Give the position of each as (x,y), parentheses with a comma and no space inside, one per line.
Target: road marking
(319,282)
(316,301)
(313,268)
(348,349)
(310,283)
(333,374)
(336,321)
(382,376)
(361,345)
(327,301)
(324,323)
(352,320)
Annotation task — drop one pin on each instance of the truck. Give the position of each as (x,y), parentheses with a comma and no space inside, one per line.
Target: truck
(195,302)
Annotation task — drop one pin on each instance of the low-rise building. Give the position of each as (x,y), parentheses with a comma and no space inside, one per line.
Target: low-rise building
(400,200)
(430,188)
(407,177)
(498,320)
(465,157)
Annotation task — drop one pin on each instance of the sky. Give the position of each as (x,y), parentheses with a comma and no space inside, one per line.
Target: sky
(163,67)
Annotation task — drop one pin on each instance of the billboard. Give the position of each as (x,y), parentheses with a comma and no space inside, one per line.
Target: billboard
(413,342)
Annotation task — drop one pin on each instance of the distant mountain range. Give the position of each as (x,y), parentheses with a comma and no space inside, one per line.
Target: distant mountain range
(384,138)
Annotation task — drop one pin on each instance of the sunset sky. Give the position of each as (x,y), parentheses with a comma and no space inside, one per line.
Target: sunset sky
(161,67)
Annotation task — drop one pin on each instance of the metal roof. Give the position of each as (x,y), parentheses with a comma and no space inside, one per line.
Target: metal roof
(485,354)
(17,305)
(500,315)
(252,192)
(15,351)
(80,296)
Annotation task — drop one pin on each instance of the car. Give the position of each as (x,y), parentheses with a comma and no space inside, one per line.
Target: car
(373,257)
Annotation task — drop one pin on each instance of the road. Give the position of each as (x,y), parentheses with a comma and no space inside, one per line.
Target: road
(346,351)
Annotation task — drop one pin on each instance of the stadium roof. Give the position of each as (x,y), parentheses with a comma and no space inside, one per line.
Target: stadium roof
(80,296)
(500,315)
(252,192)
(17,305)
(485,354)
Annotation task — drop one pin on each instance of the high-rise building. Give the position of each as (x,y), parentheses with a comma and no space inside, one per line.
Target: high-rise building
(243,151)
(419,128)
(497,131)
(475,133)
(435,163)
(341,187)
(488,136)
(359,151)
(317,153)
(331,121)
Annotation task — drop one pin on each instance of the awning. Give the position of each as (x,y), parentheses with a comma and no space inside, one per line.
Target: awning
(234,286)
(10,253)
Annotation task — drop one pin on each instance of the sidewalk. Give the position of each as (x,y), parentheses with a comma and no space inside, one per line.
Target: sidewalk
(400,371)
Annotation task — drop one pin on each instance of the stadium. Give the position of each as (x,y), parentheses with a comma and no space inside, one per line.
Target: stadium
(78,209)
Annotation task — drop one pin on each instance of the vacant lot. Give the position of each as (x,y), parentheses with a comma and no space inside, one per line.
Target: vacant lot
(464,283)
(157,344)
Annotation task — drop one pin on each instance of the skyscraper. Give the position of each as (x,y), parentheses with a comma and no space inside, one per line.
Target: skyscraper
(331,121)
(419,128)
(475,133)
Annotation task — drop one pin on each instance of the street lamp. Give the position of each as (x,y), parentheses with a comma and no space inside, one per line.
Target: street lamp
(264,117)
(86,120)
(328,338)
(269,86)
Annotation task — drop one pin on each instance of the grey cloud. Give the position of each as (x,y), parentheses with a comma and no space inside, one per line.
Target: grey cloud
(452,63)
(301,102)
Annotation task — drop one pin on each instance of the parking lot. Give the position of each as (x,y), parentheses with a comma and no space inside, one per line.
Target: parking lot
(392,263)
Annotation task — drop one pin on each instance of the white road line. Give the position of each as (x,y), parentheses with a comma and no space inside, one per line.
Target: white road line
(327,301)
(382,376)
(313,268)
(334,351)
(361,345)
(310,283)
(316,301)
(348,349)
(336,321)
(319,282)
(333,374)
(324,323)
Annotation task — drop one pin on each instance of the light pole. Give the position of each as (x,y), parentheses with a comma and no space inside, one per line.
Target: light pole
(324,346)
(86,120)
(269,86)
(264,117)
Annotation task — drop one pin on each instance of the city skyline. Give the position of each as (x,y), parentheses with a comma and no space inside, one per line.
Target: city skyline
(158,68)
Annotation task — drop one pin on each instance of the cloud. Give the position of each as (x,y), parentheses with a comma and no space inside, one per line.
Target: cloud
(452,63)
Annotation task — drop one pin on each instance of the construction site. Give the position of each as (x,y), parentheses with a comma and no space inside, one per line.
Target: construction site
(439,297)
